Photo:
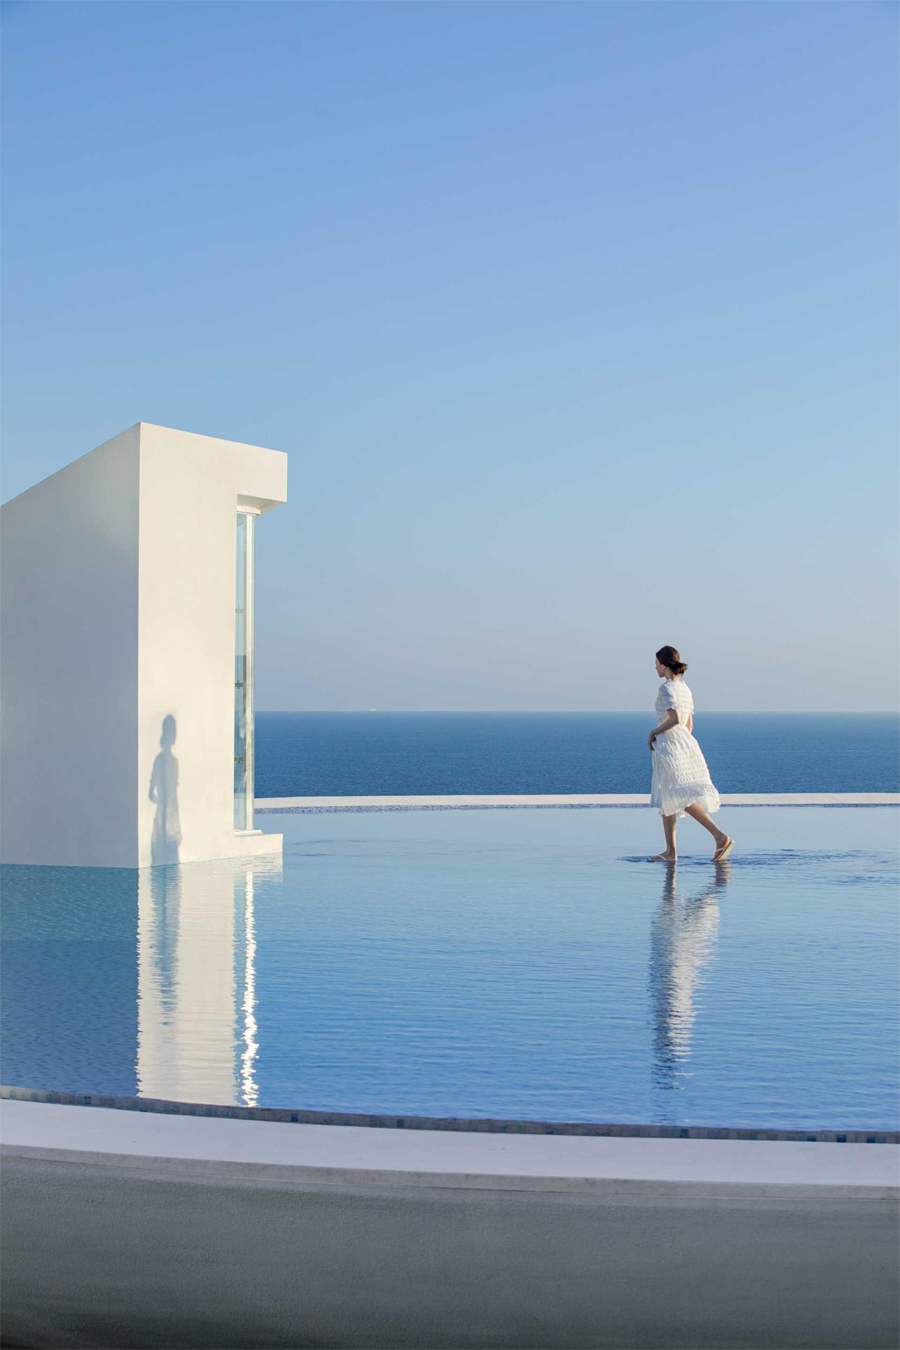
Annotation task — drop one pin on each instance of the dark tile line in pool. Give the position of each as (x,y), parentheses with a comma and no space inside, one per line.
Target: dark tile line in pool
(285,1116)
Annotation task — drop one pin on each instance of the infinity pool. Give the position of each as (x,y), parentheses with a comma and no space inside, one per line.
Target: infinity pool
(525,963)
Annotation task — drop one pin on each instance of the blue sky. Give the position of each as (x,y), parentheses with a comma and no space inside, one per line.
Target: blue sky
(578,322)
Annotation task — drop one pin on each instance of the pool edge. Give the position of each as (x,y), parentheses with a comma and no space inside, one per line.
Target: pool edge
(454,1124)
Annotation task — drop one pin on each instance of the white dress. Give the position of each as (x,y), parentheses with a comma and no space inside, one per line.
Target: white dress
(680,775)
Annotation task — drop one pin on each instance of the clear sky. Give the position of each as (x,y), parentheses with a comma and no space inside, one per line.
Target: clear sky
(577,320)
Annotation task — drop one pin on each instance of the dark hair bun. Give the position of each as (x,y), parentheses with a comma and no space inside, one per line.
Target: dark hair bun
(668,656)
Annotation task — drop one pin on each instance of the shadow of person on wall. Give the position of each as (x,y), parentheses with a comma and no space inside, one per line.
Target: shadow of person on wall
(166,836)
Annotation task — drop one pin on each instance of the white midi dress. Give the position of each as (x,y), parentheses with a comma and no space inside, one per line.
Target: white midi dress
(680,775)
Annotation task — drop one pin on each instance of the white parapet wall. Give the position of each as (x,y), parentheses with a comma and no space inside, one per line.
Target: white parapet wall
(463,801)
(118,655)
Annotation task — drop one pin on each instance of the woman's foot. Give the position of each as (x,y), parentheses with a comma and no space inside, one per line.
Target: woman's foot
(723,848)
(665,857)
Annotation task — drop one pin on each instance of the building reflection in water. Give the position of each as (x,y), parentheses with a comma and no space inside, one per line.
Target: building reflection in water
(250,1048)
(197,1030)
(682,947)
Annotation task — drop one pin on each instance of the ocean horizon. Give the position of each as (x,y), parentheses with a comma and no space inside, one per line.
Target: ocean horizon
(374,753)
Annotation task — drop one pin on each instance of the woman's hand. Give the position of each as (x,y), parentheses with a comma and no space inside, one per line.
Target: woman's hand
(669,721)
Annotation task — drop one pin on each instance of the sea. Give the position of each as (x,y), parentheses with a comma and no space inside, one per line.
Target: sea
(369,754)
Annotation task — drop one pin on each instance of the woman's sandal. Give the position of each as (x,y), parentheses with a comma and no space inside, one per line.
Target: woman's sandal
(722,853)
(662,857)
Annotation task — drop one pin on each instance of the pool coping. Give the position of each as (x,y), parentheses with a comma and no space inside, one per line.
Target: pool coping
(471,802)
(442,1124)
(215,1151)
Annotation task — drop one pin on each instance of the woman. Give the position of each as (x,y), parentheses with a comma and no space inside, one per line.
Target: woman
(681,781)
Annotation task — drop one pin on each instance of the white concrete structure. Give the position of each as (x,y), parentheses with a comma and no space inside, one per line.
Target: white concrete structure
(119,652)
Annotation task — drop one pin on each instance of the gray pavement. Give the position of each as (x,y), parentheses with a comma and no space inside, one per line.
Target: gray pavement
(106,1255)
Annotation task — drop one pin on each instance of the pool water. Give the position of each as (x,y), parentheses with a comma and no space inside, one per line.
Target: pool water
(527,964)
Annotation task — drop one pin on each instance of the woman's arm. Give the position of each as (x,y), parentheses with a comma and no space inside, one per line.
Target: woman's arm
(669,721)
(690,723)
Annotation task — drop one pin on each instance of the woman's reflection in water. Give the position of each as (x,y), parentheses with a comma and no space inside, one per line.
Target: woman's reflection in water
(681,948)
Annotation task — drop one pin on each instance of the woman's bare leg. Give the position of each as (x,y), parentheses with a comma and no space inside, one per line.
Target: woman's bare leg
(697,813)
(670,855)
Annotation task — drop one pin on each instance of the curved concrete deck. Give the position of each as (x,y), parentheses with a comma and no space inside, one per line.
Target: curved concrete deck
(187,1231)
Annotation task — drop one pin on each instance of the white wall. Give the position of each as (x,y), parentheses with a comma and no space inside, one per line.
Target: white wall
(190,486)
(69,663)
(118,611)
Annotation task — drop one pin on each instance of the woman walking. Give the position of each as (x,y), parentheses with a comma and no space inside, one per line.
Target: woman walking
(681,782)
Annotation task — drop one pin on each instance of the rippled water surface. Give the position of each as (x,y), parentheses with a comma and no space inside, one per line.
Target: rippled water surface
(524,963)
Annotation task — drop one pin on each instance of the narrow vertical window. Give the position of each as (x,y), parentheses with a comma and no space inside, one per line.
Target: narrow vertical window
(243,674)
